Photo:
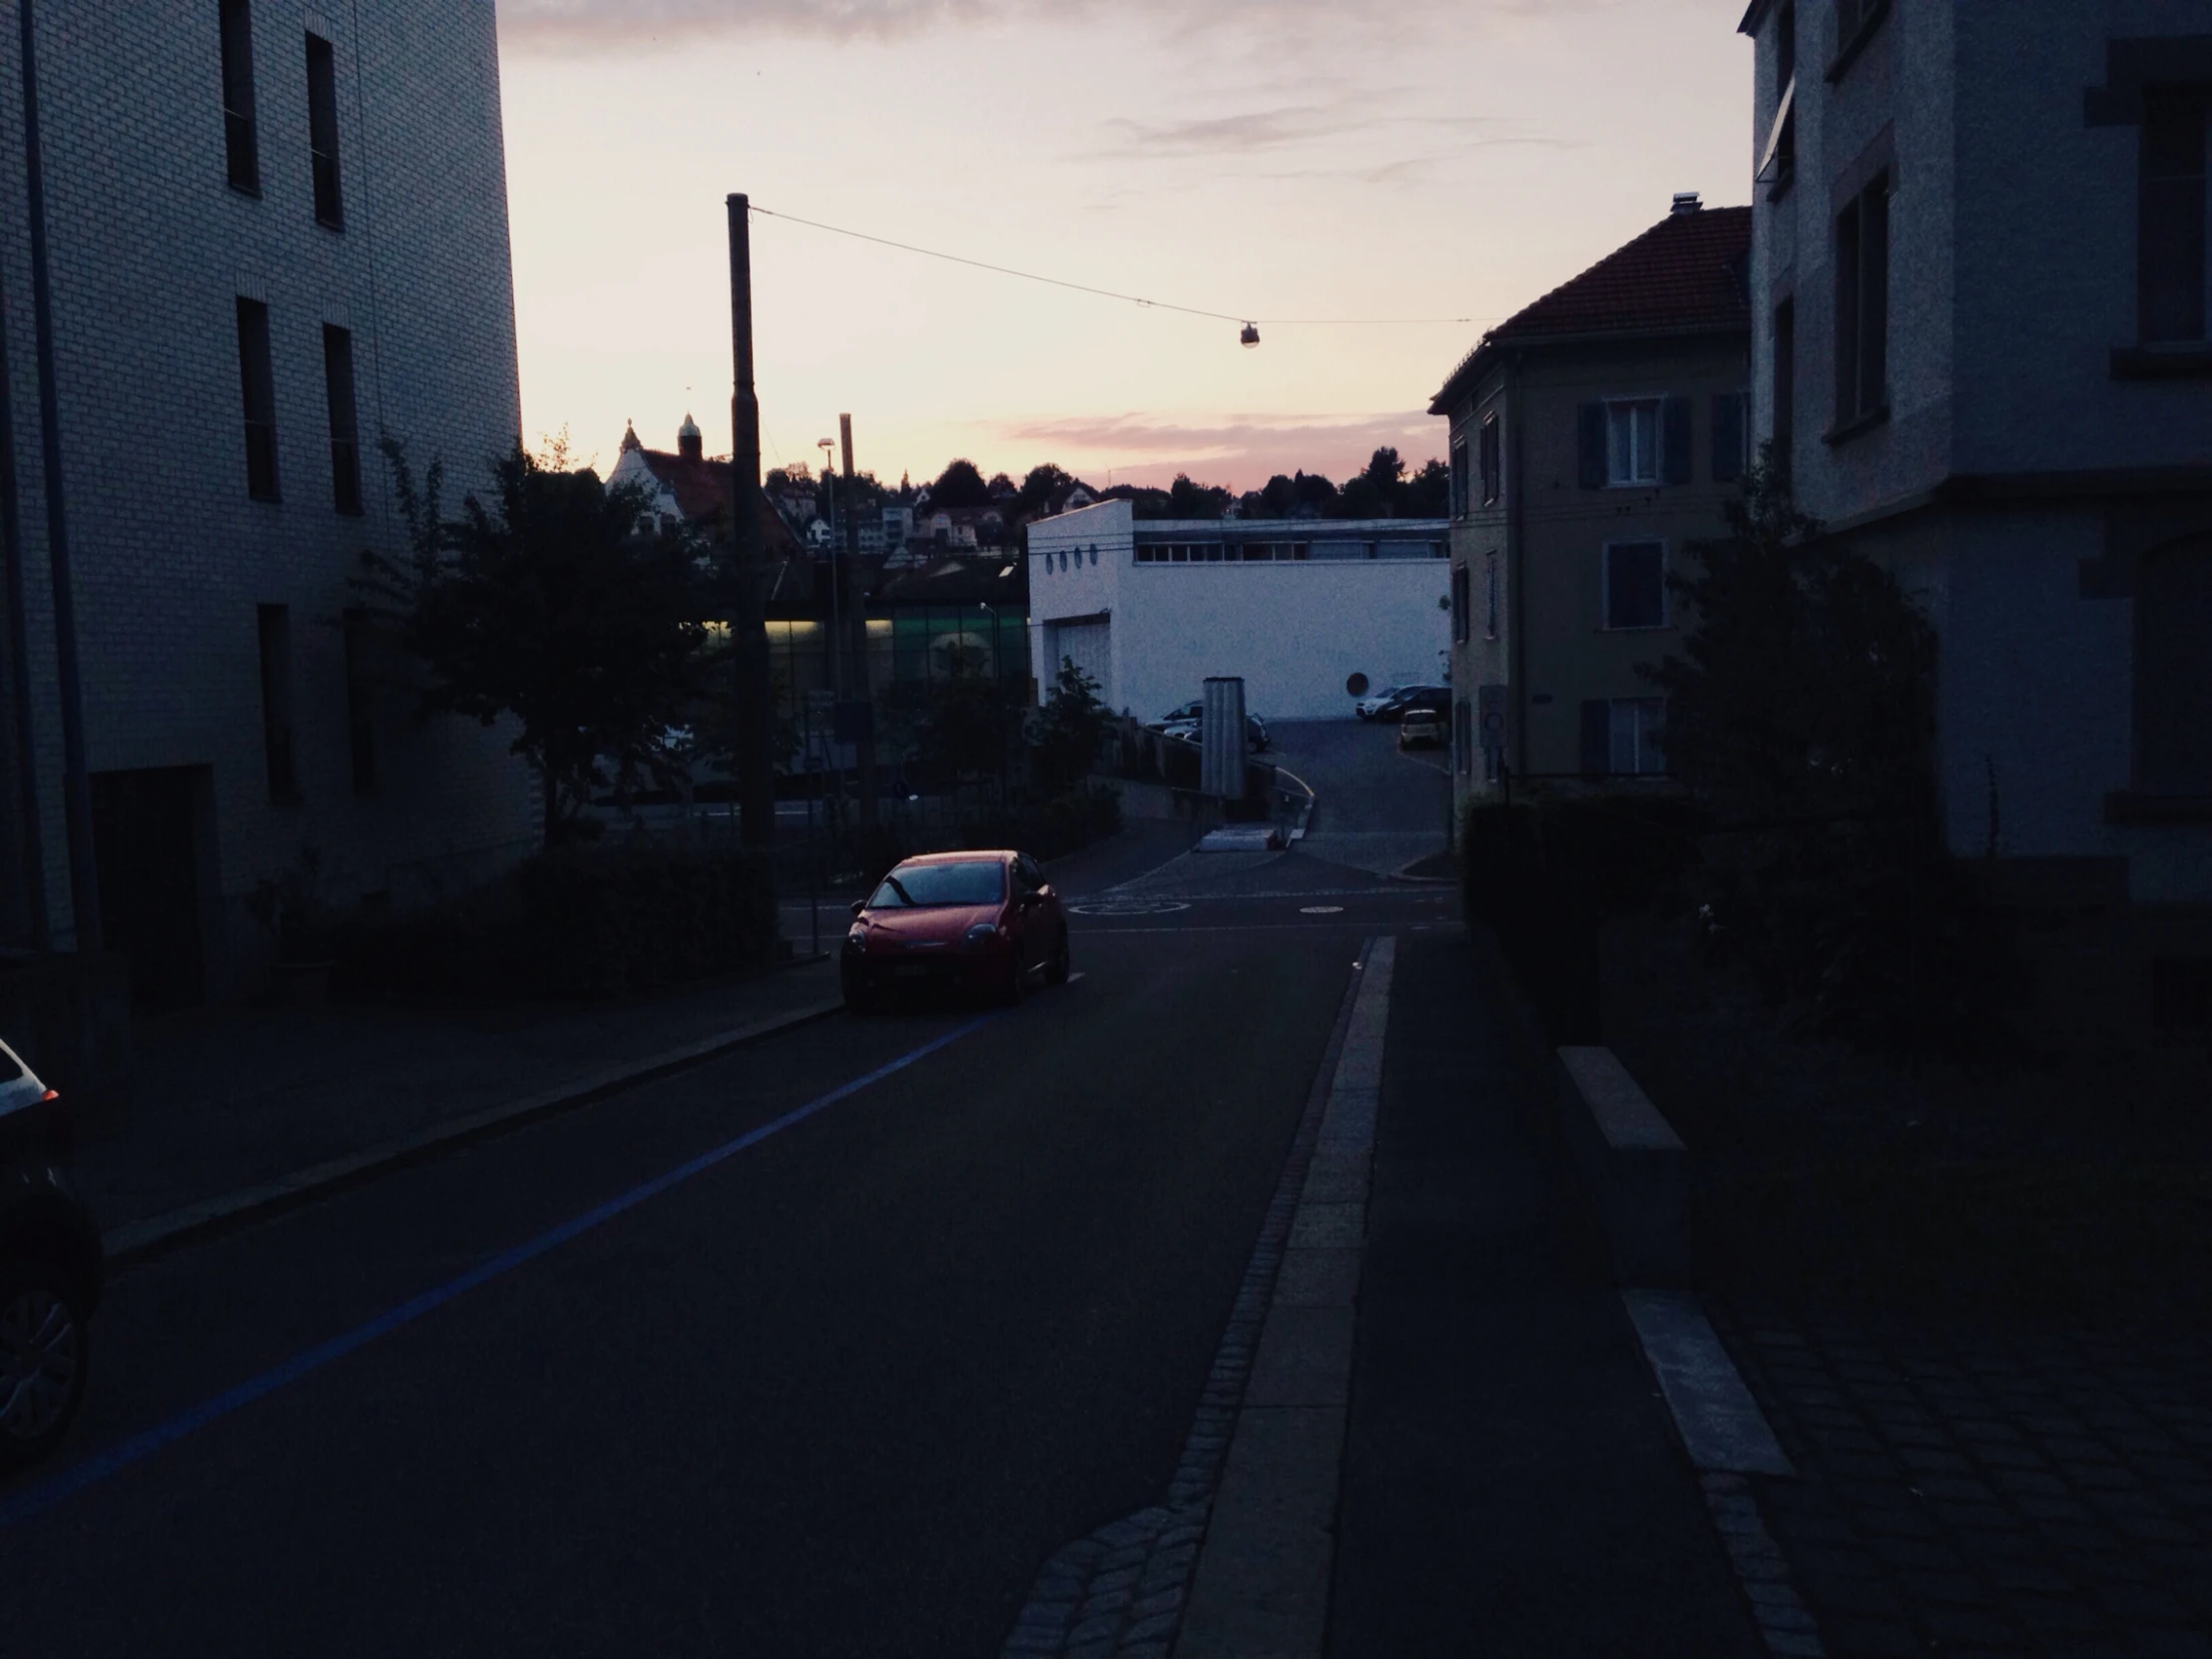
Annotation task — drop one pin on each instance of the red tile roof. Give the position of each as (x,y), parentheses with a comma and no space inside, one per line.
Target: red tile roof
(702,492)
(1683,276)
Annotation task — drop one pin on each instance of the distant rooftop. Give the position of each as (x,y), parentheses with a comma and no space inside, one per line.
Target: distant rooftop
(1683,276)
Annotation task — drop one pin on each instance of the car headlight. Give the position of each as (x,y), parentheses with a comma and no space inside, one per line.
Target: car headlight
(982,936)
(856,938)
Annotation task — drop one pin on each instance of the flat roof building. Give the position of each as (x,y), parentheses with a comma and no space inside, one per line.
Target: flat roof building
(1307,612)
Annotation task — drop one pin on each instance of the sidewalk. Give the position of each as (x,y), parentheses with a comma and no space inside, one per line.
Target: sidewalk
(226,1099)
(1512,1480)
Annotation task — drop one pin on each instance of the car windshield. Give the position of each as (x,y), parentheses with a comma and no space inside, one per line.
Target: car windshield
(912,886)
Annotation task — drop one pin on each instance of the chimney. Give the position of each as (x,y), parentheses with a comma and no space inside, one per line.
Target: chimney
(687,443)
(1686,202)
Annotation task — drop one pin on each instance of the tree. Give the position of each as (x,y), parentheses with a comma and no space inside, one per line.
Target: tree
(1067,734)
(1039,486)
(1192,500)
(960,484)
(1385,469)
(552,609)
(1312,496)
(1803,713)
(1428,494)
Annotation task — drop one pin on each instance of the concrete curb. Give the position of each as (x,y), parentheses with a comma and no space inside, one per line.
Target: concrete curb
(1261,1587)
(142,1240)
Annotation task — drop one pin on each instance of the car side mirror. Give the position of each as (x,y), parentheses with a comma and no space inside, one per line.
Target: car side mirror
(858,904)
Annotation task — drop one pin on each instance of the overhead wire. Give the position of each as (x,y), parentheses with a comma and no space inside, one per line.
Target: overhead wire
(1112,293)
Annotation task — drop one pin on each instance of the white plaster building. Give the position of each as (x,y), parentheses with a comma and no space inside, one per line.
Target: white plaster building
(298,211)
(1309,612)
(1979,340)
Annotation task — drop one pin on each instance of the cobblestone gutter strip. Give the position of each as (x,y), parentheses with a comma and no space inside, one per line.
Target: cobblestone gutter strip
(141,1241)
(1120,1593)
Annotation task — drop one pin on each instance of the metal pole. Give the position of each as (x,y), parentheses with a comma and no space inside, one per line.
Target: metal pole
(19,665)
(864,750)
(755,688)
(84,870)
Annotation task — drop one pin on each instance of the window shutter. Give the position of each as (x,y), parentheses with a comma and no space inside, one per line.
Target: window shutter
(1676,442)
(1597,738)
(1590,426)
(1728,438)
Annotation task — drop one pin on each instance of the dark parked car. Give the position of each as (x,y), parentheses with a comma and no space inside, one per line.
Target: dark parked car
(955,921)
(51,1270)
(1434,698)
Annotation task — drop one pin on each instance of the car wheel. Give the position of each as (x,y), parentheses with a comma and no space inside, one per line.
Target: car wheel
(1056,972)
(43,1353)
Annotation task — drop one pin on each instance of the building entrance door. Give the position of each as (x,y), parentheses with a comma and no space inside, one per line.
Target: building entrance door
(145,835)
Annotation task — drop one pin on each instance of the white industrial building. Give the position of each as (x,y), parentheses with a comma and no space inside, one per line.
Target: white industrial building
(1307,612)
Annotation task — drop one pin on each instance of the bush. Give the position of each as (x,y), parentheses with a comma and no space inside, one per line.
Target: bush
(577,923)
(602,922)
(1060,825)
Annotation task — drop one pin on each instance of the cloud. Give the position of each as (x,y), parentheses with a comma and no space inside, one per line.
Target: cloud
(1240,450)
(554,24)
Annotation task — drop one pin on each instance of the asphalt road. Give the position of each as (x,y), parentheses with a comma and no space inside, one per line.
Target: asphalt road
(627,1381)
(1381,807)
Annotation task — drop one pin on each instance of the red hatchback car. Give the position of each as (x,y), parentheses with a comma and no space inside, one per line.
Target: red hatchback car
(967,921)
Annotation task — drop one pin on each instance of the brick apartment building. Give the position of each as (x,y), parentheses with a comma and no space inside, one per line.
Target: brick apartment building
(277,230)
(1980,298)
(1595,436)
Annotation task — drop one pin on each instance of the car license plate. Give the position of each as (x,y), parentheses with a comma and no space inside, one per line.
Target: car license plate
(912,970)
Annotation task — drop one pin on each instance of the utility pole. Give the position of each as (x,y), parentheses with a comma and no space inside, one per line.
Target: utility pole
(856,610)
(756,686)
(84,870)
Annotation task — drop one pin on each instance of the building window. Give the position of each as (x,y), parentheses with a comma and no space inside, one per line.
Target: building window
(1863,306)
(2173,680)
(1731,431)
(276,641)
(1856,21)
(1490,597)
(241,144)
(322,132)
(1493,472)
(345,436)
(258,382)
(1632,442)
(1462,736)
(361,701)
(1784,380)
(1459,501)
(1463,605)
(1777,164)
(2170,249)
(1636,585)
(1620,737)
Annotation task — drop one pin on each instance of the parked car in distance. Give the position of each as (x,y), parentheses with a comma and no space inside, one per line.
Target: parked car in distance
(1368,706)
(1437,698)
(1187,730)
(1422,727)
(980,923)
(51,1270)
(1182,714)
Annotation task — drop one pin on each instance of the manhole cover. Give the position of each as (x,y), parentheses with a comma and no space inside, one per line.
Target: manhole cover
(1129,908)
(1321,911)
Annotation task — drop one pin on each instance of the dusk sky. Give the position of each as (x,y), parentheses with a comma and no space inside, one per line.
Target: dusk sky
(1284,159)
